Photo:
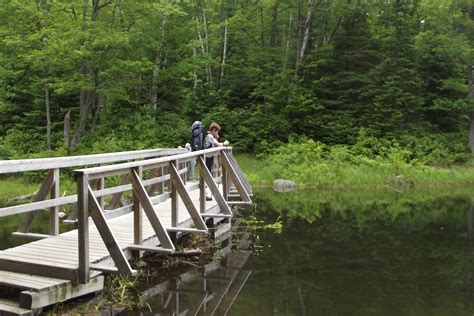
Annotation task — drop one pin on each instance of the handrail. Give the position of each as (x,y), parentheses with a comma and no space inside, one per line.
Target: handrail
(149,181)
(142,201)
(121,168)
(48,195)
(22,165)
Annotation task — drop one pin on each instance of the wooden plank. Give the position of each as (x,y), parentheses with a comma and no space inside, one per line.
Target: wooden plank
(35,300)
(150,212)
(30,235)
(181,188)
(37,260)
(47,259)
(83,226)
(150,248)
(216,215)
(59,271)
(12,166)
(108,237)
(186,230)
(137,214)
(202,192)
(35,206)
(116,169)
(213,187)
(8,307)
(28,281)
(54,211)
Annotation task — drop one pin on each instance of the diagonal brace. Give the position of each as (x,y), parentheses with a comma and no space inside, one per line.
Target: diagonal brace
(107,236)
(147,206)
(183,193)
(213,187)
(244,195)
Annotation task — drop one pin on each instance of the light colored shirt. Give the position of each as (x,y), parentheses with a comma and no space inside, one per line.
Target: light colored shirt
(210,141)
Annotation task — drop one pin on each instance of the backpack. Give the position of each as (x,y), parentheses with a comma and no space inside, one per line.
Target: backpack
(197,136)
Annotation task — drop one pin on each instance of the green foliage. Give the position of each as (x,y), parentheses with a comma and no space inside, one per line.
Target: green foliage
(136,74)
(369,163)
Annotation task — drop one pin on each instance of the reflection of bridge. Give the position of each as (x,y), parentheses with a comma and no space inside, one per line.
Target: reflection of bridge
(111,229)
(211,292)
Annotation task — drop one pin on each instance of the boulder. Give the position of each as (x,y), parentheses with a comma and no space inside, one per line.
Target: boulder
(282,185)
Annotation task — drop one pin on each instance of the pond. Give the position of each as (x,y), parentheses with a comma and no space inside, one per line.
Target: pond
(312,252)
(340,253)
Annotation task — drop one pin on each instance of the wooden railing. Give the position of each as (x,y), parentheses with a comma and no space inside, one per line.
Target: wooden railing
(169,169)
(48,195)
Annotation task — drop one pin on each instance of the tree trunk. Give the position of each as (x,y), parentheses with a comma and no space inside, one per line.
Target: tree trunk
(470,91)
(262,24)
(67,129)
(224,52)
(203,49)
(157,66)
(87,98)
(288,44)
(206,41)
(48,116)
(304,42)
(274,32)
(194,71)
(470,96)
(98,108)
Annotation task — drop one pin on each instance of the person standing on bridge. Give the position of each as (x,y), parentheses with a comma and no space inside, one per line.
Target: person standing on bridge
(212,140)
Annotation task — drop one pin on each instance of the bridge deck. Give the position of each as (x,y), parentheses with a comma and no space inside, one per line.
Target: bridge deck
(62,250)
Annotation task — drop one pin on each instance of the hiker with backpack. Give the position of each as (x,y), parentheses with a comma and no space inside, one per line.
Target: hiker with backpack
(201,140)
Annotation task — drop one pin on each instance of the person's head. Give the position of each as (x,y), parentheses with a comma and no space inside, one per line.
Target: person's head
(214,128)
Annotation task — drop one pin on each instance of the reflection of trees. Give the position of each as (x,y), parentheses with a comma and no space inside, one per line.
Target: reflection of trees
(211,290)
(373,253)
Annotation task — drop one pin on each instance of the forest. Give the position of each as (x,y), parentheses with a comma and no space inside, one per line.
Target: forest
(112,75)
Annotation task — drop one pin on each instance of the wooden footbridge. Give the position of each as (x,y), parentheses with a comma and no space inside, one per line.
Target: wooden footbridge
(126,204)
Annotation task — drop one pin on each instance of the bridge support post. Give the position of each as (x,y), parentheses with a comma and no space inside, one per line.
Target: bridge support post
(202,187)
(137,216)
(83,227)
(54,211)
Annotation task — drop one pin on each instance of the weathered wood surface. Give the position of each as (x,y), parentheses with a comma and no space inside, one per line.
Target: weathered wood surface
(61,251)
(12,166)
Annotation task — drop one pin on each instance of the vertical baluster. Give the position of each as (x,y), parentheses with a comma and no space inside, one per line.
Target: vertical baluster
(54,211)
(137,216)
(174,200)
(202,189)
(83,227)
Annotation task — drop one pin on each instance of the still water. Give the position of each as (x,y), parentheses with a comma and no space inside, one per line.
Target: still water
(338,253)
(314,252)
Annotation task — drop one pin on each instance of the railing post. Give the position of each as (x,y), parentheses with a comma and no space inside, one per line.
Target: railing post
(225,178)
(161,186)
(54,211)
(137,215)
(174,200)
(202,189)
(101,186)
(174,203)
(83,226)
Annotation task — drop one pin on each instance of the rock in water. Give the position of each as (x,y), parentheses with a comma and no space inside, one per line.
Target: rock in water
(281,185)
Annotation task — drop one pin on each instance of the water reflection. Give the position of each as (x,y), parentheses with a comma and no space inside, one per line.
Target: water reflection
(362,254)
(209,290)
(313,252)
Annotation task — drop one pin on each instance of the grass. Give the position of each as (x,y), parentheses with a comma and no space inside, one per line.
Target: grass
(363,173)
(11,187)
